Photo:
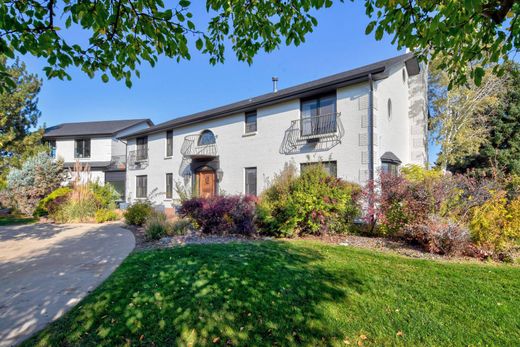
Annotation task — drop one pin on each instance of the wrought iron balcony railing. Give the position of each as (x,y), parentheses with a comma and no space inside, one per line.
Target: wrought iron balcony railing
(138,159)
(193,148)
(322,132)
(118,162)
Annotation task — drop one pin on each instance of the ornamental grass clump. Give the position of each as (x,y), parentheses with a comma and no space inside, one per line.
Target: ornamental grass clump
(310,204)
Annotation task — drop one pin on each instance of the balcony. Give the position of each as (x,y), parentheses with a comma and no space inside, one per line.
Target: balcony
(138,159)
(118,162)
(199,146)
(317,133)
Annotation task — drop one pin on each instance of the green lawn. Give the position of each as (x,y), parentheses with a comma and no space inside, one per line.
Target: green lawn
(12,220)
(293,293)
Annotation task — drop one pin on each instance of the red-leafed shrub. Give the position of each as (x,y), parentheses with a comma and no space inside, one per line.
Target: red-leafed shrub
(222,214)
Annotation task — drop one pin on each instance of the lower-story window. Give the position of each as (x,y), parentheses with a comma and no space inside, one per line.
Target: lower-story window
(169,185)
(141,183)
(330,166)
(250,180)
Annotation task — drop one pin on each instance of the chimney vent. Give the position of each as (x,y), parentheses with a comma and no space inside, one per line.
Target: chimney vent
(275,84)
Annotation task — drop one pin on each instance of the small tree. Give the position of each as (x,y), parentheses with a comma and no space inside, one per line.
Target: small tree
(37,177)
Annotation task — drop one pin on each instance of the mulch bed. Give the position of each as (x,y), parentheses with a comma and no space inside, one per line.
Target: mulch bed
(376,243)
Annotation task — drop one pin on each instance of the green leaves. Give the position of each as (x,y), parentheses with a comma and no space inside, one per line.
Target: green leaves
(127,33)
(463,31)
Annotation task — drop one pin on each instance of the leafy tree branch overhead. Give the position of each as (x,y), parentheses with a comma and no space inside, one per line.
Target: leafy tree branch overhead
(122,34)
(463,31)
(126,33)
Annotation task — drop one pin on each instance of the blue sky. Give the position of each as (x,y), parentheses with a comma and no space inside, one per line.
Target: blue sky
(172,89)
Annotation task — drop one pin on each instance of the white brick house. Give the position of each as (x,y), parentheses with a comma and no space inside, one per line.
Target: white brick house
(237,148)
(97,144)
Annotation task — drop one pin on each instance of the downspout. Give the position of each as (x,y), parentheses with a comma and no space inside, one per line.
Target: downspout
(371,150)
(371,128)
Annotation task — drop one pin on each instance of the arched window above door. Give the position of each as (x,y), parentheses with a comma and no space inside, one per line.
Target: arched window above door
(206,138)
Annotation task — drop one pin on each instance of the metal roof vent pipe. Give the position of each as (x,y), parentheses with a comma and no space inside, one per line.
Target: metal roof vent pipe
(275,84)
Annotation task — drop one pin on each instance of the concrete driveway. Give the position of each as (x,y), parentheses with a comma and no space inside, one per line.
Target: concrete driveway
(46,269)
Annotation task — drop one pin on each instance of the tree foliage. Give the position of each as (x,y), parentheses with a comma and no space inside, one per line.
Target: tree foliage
(38,176)
(125,33)
(18,114)
(484,31)
(500,151)
(459,115)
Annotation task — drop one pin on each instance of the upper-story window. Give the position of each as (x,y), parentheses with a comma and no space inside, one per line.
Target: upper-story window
(250,122)
(82,148)
(169,143)
(142,148)
(206,138)
(52,148)
(318,115)
(389,109)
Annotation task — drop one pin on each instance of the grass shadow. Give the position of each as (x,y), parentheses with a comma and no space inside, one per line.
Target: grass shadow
(265,293)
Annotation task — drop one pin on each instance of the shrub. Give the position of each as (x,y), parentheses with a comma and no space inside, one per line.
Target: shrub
(52,202)
(137,213)
(105,215)
(38,176)
(439,235)
(312,203)
(156,225)
(222,214)
(180,227)
(495,225)
(106,194)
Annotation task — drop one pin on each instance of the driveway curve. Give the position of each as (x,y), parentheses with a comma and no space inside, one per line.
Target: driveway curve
(46,269)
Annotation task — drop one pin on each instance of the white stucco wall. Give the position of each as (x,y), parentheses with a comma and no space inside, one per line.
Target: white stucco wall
(100,149)
(238,151)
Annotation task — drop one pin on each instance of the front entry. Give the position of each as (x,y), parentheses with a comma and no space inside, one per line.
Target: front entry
(206,182)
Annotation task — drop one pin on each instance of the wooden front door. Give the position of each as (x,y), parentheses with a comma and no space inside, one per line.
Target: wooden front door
(206,180)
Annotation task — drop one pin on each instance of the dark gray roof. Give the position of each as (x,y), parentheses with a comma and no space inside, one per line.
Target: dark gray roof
(109,127)
(322,85)
(390,157)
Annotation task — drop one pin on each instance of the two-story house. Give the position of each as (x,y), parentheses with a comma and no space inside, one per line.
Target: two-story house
(355,122)
(97,144)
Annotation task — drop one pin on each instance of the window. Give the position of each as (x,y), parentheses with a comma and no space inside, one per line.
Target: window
(251,122)
(318,116)
(389,109)
(142,148)
(169,185)
(141,183)
(52,148)
(330,166)
(390,168)
(250,178)
(82,148)
(169,143)
(404,75)
(390,163)
(206,138)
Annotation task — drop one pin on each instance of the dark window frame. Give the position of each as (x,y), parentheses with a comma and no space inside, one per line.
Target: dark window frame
(85,149)
(250,188)
(169,186)
(140,191)
(390,167)
(52,148)
(318,124)
(250,126)
(326,164)
(141,148)
(169,143)
(213,138)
